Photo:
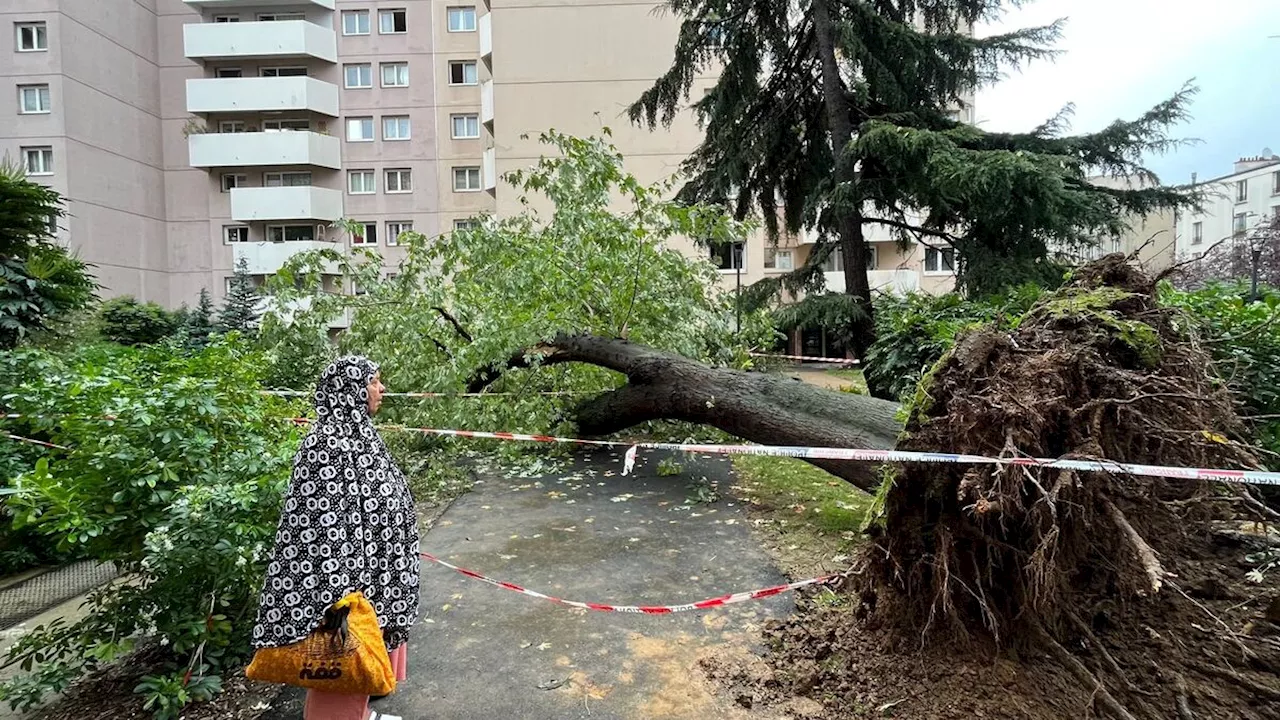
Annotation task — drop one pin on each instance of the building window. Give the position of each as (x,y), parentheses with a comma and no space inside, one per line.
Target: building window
(231,126)
(33,37)
(284,72)
(397,228)
(286,125)
(228,73)
(291,233)
(467,224)
(1242,190)
(286,179)
(462,72)
(226,18)
(395,74)
(360,129)
(367,234)
(940,261)
(35,99)
(235,234)
(358,76)
(466,179)
(1197,233)
(38,160)
(355,22)
(729,256)
(462,19)
(395,127)
(230,181)
(775,259)
(466,127)
(392,22)
(361,182)
(1238,225)
(280,17)
(399,181)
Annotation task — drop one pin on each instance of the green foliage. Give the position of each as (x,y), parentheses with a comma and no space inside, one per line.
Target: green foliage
(592,253)
(198,324)
(669,467)
(913,331)
(827,504)
(41,283)
(166,695)
(241,307)
(126,321)
(175,470)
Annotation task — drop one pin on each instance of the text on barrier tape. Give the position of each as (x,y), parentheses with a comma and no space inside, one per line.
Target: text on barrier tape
(1259,477)
(642,609)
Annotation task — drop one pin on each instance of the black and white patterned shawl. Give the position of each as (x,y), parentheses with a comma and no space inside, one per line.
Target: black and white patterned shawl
(348,521)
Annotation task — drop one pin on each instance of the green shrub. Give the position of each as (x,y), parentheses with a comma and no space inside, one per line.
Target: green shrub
(126,321)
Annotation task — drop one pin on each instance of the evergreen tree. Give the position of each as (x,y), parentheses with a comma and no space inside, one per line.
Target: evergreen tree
(838,115)
(199,322)
(240,311)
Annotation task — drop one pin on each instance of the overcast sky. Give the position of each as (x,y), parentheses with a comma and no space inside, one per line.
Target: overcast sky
(1120,57)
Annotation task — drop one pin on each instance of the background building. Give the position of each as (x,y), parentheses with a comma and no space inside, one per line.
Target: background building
(1235,203)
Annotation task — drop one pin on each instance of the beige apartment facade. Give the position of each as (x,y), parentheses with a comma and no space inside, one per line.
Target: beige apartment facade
(189,134)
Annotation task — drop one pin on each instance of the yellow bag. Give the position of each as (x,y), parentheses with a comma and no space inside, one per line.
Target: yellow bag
(350,662)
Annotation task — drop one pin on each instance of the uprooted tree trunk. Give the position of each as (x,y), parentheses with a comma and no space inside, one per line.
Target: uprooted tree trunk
(764,408)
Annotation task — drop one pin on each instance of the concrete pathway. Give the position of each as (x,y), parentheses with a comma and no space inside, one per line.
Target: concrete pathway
(589,534)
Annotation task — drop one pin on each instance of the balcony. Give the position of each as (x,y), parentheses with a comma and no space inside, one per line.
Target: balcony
(486,102)
(489,169)
(259,40)
(486,36)
(266,258)
(214,150)
(216,5)
(894,282)
(261,94)
(285,203)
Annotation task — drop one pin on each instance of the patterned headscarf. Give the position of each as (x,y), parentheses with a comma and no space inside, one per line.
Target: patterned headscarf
(348,522)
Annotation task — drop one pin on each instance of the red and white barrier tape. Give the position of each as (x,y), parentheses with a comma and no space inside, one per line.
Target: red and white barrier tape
(33,441)
(304,393)
(1260,477)
(806,358)
(642,609)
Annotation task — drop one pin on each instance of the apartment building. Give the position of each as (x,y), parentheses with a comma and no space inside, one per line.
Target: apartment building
(1234,205)
(189,134)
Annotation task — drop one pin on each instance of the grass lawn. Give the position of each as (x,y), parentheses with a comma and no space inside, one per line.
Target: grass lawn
(856,382)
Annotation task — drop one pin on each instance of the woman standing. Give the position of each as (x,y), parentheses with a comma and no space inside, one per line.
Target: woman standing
(348,524)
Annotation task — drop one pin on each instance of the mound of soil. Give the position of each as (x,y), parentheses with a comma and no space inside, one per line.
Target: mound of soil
(1018,592)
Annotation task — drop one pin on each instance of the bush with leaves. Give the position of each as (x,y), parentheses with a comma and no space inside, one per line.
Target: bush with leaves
(242,307)
(126,321)
(175,469)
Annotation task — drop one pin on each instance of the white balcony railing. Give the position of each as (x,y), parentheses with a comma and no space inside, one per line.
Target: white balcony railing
(486,102)
(286,203)
(261,40)
(221,4)
(486,35)
(214,150)
(259,94)
(266,258)
(895,282)
(489,169)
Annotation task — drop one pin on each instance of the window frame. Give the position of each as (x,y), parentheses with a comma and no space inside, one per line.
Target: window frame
(453,128)
(449,15)
(239,179)
(1242,191)
(467,170)
(44,153)
(1239,225)
(276,16)
(401,175)
(218,73)
(1197,232)
(402,227)
(39,29)
(361,119)
(373,179)
(224,18)
(463,64)
(941,254)
(262,72)
(281,121)
(311,232)
(789,253)
(346,77)
(465,224)
(737,256)
(282,174)
(368,22)
(382,73)
(391,12)
(226,234)
(408,127)
(364,238)
(46,96)
(223,124)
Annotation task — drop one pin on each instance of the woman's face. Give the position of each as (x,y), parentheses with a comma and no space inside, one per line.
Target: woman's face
(375,393)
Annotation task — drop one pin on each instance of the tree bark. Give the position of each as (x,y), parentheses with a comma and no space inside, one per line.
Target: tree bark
(764,408)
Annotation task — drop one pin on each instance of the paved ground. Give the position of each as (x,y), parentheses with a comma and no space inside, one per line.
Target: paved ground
(583,534)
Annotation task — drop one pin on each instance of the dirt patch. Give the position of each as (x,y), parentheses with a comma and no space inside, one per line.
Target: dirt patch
(1038,593)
